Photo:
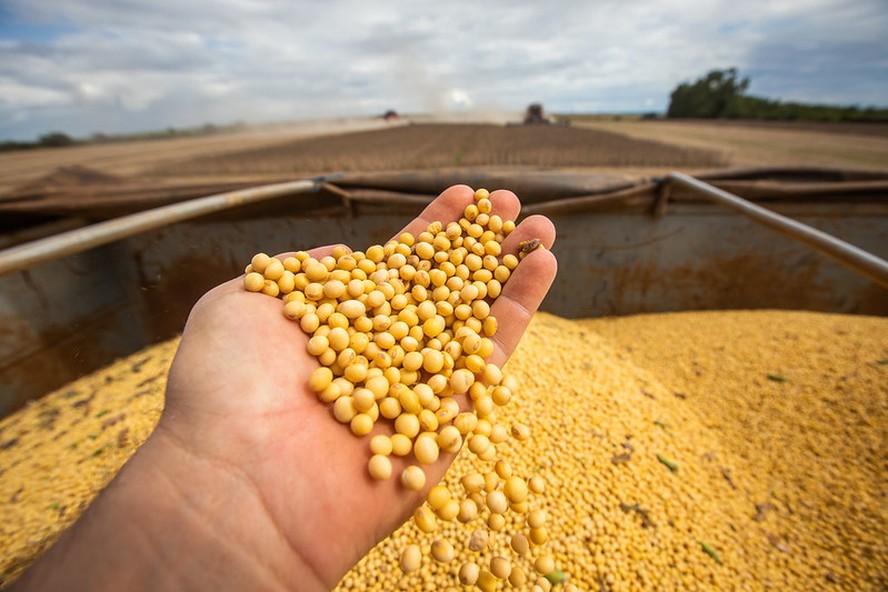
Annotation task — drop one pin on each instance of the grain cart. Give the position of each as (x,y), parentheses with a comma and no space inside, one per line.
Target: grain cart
(719,449)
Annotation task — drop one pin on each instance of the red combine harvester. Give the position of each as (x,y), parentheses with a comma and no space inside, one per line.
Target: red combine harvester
(535,115)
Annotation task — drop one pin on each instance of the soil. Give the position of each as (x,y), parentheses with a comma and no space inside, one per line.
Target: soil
(425,146)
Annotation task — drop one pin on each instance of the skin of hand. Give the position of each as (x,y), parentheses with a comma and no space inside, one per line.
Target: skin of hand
(248,482)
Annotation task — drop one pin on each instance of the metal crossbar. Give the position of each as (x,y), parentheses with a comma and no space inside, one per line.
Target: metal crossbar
(845,253)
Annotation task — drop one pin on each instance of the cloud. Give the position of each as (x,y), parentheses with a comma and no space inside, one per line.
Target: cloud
(812,58)
(114,66)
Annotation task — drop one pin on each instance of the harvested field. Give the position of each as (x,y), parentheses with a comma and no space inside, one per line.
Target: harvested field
(631,146)
(853,128)
(756,143)
(874,129)
(447,145)
(132,158)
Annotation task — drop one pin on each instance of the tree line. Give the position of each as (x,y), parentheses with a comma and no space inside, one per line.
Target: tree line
(61,139)
(721,95)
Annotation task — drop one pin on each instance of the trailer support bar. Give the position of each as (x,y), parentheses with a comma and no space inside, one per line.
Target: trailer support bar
(82,239)
(845,253)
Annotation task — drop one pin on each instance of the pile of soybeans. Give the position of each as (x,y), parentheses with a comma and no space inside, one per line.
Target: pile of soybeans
(775,421)
(718,450)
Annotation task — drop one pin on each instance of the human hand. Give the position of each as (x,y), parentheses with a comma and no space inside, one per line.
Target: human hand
(251,454)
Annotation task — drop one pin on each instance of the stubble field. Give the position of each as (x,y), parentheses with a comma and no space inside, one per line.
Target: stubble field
(286,152)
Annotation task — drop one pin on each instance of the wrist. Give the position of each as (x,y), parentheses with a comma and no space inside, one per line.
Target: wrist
(218,523)
(175,520)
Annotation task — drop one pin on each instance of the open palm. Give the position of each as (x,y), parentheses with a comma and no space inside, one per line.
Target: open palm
(238,397)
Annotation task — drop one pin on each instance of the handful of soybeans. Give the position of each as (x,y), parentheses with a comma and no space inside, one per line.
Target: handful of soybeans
(401,331)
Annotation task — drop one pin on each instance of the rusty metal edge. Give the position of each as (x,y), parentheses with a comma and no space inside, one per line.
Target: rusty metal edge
(75,241)
(590,202)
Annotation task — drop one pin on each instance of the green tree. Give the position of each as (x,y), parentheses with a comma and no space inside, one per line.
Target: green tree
(715,95)
(55,139)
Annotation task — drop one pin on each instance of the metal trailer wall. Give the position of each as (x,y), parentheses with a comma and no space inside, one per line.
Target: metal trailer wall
(64,318)
(703,257)
(698,257)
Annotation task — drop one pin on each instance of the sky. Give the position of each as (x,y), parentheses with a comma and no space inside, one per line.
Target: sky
(118,66)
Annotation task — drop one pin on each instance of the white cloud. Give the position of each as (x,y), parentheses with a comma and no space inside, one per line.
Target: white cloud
(122,65)
(15,96)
